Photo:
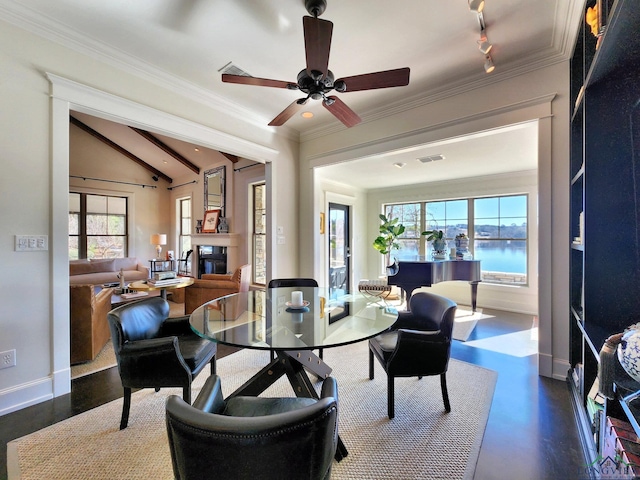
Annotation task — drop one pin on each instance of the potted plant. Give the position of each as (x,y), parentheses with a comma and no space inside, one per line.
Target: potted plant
(436,237)
(390,230)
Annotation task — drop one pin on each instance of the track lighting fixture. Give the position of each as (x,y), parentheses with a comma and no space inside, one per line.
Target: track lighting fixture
(488,64)
(483,44)
(476,5)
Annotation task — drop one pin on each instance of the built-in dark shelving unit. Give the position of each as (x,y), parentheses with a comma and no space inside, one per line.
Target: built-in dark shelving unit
(605,184)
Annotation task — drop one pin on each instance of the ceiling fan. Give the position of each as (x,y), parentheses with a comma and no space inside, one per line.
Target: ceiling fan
(316,80)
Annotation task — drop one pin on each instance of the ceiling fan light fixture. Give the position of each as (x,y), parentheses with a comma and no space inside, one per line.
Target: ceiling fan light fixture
(476,5)
(488,64)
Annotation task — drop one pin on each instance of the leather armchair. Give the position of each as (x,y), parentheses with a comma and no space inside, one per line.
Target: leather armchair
(418,344)
(155,351)
(89,325)
(216,285)
(253,437)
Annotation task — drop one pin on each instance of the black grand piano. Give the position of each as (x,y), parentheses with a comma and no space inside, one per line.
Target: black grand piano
(412,275)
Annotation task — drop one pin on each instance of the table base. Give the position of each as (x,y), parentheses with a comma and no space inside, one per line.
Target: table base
(291,363)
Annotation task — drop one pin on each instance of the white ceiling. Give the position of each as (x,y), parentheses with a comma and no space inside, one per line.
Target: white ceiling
(186,43)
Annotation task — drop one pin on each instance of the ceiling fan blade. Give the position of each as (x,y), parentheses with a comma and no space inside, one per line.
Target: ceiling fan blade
(287,113)
(369,81)
(260,82)
(317,44)
(342,112)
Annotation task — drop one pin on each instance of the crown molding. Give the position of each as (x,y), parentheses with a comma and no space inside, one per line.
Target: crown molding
(44,27)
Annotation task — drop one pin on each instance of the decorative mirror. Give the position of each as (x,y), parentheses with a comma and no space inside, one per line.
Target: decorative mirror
(214,189)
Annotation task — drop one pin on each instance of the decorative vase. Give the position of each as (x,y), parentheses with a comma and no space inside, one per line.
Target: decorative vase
(462,245)
(439,248)
(223,226)
(198,226)
(629,352)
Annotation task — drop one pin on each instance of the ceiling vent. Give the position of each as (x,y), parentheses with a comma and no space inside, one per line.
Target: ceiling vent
(232,69)
(431,158)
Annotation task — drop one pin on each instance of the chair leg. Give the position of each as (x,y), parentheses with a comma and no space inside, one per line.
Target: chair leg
(186,394)
(157,389)
(370,365)
(320,353)
(213,365)
(445,393)
(391,408)
(126,406)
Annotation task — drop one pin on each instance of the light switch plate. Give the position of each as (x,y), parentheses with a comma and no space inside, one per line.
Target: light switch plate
(31,243)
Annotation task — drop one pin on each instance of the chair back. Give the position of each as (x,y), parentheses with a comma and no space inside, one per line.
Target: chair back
(292,282)
(299,444)
(435,312)
(137,321)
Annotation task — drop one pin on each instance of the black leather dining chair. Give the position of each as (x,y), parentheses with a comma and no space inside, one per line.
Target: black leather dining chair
(417,345)
(253,437)
(155,351)
(292,282)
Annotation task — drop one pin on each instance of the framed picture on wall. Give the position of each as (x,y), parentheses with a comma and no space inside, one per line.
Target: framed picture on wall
(210,223)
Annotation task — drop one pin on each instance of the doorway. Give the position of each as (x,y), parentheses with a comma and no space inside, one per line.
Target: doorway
(339,250)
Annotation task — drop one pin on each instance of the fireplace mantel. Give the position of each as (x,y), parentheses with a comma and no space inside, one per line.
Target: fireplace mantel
(215,239)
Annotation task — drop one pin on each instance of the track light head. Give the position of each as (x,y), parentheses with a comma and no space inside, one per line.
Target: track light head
(476,5)
(155,178)
(488,64)
(484,45)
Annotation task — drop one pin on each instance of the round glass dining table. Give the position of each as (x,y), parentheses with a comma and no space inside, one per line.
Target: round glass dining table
(266,320)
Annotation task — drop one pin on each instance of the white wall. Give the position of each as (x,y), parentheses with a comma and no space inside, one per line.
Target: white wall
(34,126)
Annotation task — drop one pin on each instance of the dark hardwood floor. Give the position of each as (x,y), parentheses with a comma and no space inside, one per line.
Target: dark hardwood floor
(531,432)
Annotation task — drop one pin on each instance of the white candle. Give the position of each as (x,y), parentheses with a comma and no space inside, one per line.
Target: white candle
(296,298)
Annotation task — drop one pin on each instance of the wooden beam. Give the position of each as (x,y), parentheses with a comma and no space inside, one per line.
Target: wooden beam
(119,149)
(233,158)
(167,149)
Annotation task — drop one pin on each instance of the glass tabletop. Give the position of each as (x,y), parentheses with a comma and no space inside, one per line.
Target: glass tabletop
(264,319)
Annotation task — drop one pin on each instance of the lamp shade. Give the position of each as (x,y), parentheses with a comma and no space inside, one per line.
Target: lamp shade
(158,239)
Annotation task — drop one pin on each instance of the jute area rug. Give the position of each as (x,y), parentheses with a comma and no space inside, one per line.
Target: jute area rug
(421,442)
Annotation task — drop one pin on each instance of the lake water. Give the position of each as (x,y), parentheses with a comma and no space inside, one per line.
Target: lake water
(507,258)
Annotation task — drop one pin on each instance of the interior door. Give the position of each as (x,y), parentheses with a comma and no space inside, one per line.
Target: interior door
(339,250)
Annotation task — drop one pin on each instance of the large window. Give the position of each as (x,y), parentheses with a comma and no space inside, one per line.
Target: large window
(500,237)
(259,243)
(97,226)
(496,227)
(184,235)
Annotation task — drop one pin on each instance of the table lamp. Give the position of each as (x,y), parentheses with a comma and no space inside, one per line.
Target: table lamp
(158,239)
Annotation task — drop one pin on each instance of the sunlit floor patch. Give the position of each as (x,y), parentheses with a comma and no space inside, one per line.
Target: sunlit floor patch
(517,344)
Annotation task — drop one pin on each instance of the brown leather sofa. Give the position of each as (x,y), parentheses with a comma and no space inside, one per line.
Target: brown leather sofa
(215,285)
(89,325)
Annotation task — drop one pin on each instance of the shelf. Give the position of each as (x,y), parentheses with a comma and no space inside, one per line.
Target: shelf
(578,176)
(620,45)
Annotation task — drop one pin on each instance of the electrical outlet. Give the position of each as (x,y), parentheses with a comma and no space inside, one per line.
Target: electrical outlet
(8,359)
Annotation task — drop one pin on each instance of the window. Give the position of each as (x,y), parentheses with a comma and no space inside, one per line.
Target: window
(259,244)
(97,226)
(500,238)
(496,227)
(184,235)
